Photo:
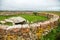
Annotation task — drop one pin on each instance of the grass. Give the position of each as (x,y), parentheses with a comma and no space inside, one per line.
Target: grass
(30,18)
(53,34)
(8,23)
(33,18)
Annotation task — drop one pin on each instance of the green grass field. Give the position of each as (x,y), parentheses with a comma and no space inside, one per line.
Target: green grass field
(30,18)
(33,18)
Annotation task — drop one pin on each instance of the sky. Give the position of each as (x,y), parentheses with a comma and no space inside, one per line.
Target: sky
(39,5)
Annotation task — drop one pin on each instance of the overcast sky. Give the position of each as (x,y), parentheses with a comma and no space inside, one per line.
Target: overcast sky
(40,5)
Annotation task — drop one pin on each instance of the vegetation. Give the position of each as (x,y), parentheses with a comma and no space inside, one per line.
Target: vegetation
(55,33)
(30,18)
(8,23)
(33,18)
(35,13)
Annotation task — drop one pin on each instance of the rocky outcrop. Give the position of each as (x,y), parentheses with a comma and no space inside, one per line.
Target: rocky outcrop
(29,31)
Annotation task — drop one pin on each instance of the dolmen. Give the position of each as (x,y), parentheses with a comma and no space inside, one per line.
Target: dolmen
(21,30)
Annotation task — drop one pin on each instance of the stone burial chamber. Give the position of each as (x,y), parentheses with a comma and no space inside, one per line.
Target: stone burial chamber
(21,30)
(16,20)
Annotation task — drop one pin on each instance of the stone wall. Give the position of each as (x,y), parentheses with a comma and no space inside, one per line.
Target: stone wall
(29,31)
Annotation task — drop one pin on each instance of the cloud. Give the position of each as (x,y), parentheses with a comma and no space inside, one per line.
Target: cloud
(29,5)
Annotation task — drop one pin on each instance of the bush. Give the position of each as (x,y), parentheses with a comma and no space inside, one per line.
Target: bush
(35,13)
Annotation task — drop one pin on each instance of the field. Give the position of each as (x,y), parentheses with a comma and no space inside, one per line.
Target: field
(30,18)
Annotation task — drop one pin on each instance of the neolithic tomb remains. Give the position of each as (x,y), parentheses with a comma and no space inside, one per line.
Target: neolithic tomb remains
(29,31)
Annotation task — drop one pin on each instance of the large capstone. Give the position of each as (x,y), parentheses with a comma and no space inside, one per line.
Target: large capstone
(16,20)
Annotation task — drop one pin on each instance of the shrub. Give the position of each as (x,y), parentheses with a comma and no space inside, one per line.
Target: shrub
(35,13)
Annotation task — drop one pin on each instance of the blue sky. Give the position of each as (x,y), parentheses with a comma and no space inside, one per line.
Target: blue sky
(40,5)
